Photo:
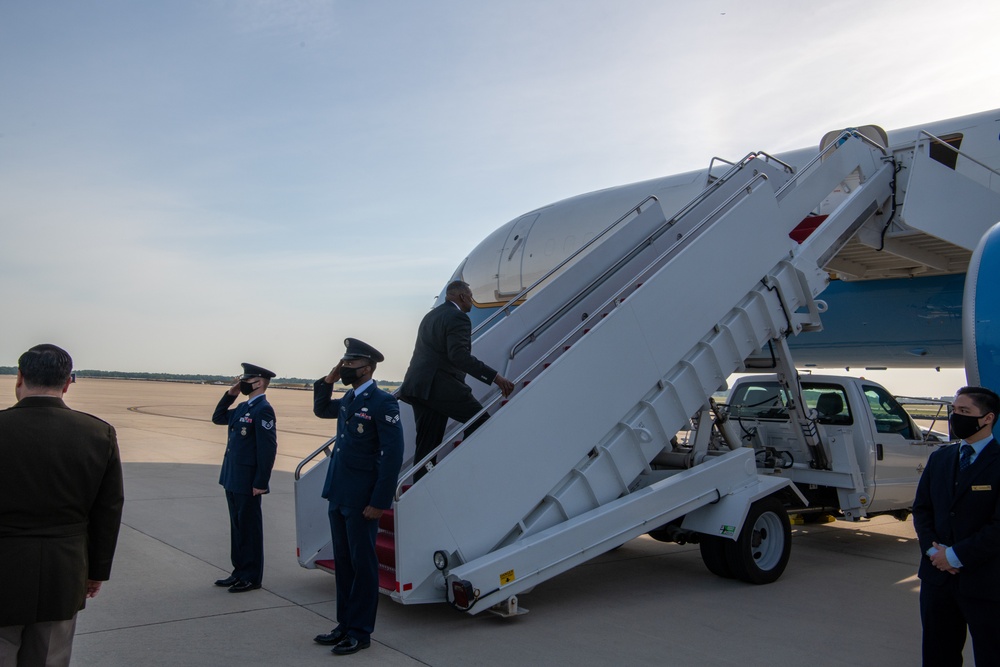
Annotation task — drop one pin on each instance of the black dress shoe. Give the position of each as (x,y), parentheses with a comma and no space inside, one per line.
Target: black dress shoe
(331,638)
(350,645)
(242,586)
(228,581)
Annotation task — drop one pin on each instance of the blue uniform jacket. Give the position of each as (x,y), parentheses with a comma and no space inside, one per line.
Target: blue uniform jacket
(961,510)
(368,451)
(251,446)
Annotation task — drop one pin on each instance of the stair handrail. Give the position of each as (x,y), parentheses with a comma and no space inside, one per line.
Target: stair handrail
(325,447)
(735,167)
(617,297)
(958,152)
(767,158)
(505,309)
(495,395)
(832,146)
(649,240)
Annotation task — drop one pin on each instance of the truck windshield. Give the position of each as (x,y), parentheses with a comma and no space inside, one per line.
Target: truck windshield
(890,417)
(767,400)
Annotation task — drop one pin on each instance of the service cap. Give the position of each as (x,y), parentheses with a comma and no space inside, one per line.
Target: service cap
(252,370)
(357,349)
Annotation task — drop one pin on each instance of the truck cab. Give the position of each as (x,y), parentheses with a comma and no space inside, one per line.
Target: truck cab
(875,451)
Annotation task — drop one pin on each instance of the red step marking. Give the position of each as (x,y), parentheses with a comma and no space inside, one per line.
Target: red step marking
(806,227)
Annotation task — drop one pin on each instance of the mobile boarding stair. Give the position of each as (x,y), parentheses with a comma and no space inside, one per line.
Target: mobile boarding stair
(611,357)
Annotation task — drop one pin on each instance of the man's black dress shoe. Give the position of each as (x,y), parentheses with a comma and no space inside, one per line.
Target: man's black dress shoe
(331,638)
(349,645)
(228,581)
(243,586)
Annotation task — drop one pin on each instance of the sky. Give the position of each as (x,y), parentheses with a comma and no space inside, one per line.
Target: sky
(186,185)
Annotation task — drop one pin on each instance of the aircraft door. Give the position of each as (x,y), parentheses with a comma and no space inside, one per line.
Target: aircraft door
(509,272)
(900,451)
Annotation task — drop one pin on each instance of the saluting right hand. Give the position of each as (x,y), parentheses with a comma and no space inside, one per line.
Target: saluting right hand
(235,389)
(334,373)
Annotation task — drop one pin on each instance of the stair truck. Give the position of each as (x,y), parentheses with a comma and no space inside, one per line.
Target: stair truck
(616,350)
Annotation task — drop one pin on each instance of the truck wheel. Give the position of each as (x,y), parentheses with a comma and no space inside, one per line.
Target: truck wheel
(713,554)
(759,555)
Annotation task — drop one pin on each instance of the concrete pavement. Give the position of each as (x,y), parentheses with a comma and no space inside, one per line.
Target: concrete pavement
(848,597)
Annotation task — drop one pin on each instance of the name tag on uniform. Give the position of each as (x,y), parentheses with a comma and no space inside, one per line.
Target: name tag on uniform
(982,487)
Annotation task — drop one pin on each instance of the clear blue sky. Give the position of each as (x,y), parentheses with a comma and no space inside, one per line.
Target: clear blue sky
(187,185)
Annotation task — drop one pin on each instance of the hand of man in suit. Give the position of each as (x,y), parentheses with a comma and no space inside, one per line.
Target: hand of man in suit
(506,386)
(371,513)
(259,492)
(940,559)
(93,588)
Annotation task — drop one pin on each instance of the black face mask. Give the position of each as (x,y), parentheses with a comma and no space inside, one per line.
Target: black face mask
(246,388)
(349,376)
(964,426)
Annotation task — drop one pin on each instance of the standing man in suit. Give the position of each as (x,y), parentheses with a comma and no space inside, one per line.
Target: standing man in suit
(360,485)
(246,471)
(434,383)
(956,514)
(60,508)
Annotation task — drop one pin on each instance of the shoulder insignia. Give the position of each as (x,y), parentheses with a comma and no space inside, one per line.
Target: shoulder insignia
(392,419)
(268,425)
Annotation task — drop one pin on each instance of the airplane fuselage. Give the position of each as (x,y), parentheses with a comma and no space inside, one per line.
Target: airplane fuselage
(896,294)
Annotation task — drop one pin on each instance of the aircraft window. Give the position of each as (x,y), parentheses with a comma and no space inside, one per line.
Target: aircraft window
(943,154)
(890,417)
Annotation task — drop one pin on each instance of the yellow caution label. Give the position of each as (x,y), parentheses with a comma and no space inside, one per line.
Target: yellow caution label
(507,577)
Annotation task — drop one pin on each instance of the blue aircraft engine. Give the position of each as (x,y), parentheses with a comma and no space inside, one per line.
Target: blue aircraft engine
(981,313)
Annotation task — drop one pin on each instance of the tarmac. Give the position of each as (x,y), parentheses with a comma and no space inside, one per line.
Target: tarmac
(848,596)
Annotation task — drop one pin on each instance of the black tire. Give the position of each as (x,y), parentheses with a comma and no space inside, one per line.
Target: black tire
(759,555)
(713,554)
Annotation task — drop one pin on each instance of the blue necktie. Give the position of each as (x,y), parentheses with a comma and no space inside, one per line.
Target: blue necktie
(966,459)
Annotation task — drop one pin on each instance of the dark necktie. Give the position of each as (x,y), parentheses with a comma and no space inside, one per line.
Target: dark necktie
(966,458)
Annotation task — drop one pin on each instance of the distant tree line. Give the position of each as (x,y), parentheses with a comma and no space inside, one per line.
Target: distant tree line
(180,377)
(171,377)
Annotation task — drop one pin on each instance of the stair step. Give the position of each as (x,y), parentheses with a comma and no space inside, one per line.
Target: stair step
(385,549)
(806,227)
(386,575)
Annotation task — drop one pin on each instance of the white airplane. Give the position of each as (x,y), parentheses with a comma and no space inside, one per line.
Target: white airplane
(897,295)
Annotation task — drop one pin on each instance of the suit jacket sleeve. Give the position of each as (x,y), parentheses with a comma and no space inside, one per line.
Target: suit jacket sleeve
(266,434)
(977,516)
(923,504)
(983,545)
(105,515)
(458,334)
(221,414)
(324,406)
(390,455)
